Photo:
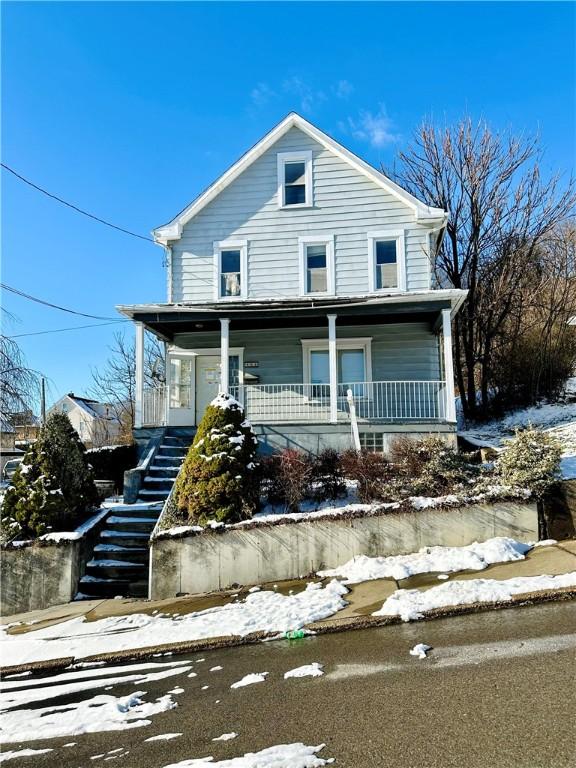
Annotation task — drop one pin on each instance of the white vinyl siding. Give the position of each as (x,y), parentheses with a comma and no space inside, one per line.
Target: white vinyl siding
(346,207)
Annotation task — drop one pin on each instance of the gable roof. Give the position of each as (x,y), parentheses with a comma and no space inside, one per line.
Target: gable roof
(92,408)
(173,229)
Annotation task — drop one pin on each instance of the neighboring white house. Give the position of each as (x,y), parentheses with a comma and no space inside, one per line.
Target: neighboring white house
(301,275)
(96,423)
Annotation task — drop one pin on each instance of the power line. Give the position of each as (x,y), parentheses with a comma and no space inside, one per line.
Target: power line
(52,306)
(74,207)
(72,328)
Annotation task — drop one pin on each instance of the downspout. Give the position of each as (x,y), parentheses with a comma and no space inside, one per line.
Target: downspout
(168,251)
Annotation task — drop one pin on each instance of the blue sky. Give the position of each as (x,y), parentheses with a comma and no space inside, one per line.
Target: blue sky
(130,109)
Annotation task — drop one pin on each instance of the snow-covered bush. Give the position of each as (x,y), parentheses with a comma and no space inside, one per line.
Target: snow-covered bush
(428,467)
(53,488)
(219,477)
(531,459)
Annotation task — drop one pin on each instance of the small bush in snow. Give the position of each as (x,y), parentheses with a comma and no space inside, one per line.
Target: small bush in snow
(219,477)
(370,470)
(327,476)
(287,478)
(531,459)
(53,488)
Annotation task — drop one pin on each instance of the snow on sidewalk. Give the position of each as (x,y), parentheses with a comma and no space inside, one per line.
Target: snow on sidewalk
(474,557)
(411,604)
(280,756)
(265,611)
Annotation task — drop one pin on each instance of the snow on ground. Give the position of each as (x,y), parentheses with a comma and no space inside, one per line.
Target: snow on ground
(557,418)
(280,756)
(22,696)
(420,650)
(411,604)
(251,679)
(308,670)
(164,737)
(226,736)
(99,713)
(22,753)
(474,557)
(266,611)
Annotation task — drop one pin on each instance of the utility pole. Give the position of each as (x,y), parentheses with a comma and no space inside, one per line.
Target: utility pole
(43,400)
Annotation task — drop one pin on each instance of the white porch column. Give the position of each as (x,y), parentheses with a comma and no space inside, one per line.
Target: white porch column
(448,366)
(333,363)
(166,384)
(224,353)
(139,394)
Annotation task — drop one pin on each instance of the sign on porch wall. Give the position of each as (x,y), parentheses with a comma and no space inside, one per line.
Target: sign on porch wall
(251,364)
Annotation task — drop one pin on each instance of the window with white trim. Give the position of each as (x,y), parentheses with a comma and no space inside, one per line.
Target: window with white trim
(354,359)
(316,265)
(294,179)
(230,261)
(386,262)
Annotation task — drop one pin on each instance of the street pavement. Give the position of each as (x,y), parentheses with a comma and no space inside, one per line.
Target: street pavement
(497,690)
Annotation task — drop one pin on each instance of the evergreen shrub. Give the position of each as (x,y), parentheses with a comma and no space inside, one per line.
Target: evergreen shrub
(53,489)
(219,480)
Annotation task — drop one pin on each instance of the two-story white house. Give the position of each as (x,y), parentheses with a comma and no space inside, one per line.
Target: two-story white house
(301,274)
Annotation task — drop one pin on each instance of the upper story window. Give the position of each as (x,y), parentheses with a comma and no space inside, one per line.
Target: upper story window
(230,262)
(316,265)
(294,179)
(386,265)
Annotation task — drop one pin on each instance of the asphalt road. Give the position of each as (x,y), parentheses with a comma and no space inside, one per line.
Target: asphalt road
(499,689)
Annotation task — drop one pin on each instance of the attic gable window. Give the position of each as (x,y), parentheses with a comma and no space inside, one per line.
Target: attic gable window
(386,263)
(230,267)
(295,179)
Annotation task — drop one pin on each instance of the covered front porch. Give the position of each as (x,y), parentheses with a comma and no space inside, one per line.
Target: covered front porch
(307,362)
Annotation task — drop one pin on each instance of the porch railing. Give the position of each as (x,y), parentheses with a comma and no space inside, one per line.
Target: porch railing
(374,400)
(284,402)
(310,403)
(154,407)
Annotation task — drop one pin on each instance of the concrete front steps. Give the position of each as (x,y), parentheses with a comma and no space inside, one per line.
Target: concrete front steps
(120,560)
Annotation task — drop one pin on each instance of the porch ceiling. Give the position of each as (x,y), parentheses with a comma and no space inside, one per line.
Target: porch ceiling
(169,321)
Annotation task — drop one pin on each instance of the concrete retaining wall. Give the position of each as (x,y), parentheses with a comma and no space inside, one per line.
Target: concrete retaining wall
(44,573)
(39,576)
(212,561)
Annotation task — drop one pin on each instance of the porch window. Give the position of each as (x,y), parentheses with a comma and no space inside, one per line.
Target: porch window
(230,263)
(351,366)
(386,255)
(294,179)
(316,265)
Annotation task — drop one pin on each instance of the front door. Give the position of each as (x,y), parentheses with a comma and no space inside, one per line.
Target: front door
(180,403)
(207,382)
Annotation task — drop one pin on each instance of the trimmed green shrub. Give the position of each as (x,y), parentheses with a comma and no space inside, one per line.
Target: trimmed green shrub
(53,488)
(219,477)
(531,459)
(110,462)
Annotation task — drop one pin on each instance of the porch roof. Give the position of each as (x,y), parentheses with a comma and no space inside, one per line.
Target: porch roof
(167,320)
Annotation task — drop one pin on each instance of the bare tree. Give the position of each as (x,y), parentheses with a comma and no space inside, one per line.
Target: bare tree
(500,209)
(19,384)
(115,383)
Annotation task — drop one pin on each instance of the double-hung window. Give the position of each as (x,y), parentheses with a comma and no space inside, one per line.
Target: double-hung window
(316,265)
(354,363)
(230,266)
(295,179)
(386,263)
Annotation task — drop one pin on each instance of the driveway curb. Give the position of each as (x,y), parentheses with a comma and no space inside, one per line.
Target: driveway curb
(326,626)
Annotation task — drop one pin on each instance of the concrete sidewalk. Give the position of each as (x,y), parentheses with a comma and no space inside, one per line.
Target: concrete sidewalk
(363,598)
